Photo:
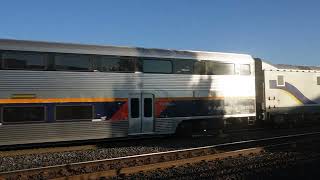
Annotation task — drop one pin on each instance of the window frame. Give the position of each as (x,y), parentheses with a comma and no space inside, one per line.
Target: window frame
(226,63)
(97,59)
(45,113)
(221,63)
(155,59)
(70,105)
(249,70)
(46,60)
(139,108)
(146,107)
(284,82)
(203,67)
(91,62)
(1,61)
(206,62)
(174,61)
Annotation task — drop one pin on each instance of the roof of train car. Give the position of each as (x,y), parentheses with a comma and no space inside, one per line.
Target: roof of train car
(296,67)
(40,46)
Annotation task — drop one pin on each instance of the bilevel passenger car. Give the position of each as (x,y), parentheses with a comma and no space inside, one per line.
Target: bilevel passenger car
(53,92)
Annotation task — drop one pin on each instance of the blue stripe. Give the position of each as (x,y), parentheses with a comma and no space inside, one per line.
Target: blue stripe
(189,108)
(101,109)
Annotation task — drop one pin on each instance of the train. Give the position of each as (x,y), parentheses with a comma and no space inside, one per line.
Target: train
(61,92)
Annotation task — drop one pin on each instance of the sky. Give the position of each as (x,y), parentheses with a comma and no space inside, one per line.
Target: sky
(279,31)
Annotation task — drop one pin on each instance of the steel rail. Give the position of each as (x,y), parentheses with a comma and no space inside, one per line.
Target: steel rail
(115,166)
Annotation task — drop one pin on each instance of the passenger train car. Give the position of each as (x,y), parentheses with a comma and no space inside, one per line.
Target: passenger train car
(52,92)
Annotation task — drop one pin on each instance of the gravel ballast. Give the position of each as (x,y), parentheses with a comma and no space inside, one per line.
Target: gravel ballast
(120,149)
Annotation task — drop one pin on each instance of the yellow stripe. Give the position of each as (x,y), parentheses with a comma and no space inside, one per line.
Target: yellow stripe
(59,100)
(293,97)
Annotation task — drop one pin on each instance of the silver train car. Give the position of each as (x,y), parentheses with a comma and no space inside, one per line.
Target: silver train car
(53,92)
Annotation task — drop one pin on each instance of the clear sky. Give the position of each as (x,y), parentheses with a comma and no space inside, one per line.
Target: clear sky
(280,31)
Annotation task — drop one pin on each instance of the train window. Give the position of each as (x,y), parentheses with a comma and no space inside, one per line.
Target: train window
(210,68)
(224,69)
(147,107)
(199,67)
(318,80)
(23,114)
(24,60)
(0,62)
(135,107)
(280,81)
(214,68)
(72,62)
(157,66)
(64,113)
(183,66)
(115,64)
(245,69)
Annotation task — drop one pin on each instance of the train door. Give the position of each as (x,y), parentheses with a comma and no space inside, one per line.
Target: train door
(135,114)
(141,113)
(147,113)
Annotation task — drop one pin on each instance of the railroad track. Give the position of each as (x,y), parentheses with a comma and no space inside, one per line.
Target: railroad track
(228,136)
(146,162)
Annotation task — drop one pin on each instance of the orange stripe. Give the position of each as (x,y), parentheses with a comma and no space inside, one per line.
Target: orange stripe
(122,113)
(69,100)
(60,100)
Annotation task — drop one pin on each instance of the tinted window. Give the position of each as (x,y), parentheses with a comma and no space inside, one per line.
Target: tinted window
(72,62)
(147,107)
(24,60)
(135,107)
(183,66)
(210,68)
(199,67)
(245,69)
(157,66)
(280,81)
(23,114)
(1,60)
(224,69)
(115,64)
(215,68)
(74,112)
(318,80)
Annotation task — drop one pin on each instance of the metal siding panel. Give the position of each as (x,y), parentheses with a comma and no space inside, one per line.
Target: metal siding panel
(53,80)
(91,84)
(164,126)
(63,131)
(221,85)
